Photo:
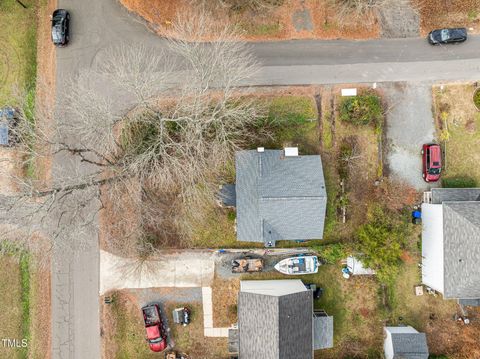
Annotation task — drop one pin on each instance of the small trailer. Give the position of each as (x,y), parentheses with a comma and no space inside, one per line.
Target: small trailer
(181,316)
(247,264)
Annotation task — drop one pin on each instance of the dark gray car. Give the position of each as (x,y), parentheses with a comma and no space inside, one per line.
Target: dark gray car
(447,36)
(60,27)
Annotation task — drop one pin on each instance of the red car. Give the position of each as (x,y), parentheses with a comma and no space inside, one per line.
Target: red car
(156,338)
(432,162)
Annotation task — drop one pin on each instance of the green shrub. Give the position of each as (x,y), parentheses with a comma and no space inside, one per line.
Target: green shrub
(231,215)
(331,253)
(361,110)
(382,240)
(476,98)
(459,182)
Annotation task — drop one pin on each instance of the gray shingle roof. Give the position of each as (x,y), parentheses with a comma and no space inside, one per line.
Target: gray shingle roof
(409,346)
(279,197)
(470,302)
(461,238)
(275,327)
(322,332)
(440,195)
(228,195)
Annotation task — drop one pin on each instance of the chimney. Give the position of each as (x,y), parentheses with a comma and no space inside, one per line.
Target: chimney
(291,151)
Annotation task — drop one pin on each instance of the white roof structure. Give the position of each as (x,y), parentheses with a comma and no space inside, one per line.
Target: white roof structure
(356,267)
(291,151)
(432,246)
(275,288)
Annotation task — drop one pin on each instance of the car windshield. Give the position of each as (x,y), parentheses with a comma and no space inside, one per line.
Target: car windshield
(157,340)
(444,34)
(57,32)
(434,171)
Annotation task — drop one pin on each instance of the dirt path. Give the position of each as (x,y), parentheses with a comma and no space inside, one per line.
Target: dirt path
(399,19)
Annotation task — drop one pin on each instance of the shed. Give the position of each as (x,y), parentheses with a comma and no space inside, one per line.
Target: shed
(405,343)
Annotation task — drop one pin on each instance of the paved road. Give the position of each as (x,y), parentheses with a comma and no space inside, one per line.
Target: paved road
(99,24)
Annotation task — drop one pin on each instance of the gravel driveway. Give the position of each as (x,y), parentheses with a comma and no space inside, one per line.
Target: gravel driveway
(409,124)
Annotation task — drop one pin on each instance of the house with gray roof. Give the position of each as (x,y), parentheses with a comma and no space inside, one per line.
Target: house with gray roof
(451,243)
(276,320)
(404,343)
(279,195)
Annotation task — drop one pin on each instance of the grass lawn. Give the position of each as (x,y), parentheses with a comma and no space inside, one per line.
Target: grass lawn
(190,339)
(124,332)
(123,329)
(18,42)
(456,115)
(15,304)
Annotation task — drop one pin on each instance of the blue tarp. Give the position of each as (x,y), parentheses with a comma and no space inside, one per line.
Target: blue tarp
(7,112)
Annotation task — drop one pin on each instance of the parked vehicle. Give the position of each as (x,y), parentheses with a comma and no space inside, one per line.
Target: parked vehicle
(181,316)
(247,264)
(156,337)
(447,36)
(301,264)
(431,162)
(60,27)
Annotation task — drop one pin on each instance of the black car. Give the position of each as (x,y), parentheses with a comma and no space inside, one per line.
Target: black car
(60,27)
(447,36)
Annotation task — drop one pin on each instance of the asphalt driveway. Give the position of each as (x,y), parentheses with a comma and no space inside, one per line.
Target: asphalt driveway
(409,124)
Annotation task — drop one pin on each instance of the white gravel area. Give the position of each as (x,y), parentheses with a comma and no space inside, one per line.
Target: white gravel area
(409,124)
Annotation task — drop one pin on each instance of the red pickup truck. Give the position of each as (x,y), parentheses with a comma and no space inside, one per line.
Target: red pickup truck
(156,338)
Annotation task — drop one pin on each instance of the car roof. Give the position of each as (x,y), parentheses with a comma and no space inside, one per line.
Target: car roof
(435,154)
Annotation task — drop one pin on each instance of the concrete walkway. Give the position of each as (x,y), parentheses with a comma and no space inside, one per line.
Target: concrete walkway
(208,329)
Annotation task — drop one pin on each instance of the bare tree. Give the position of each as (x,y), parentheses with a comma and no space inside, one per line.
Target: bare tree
(177,124)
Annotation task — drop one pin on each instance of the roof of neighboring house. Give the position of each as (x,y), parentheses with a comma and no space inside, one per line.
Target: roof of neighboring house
(440,195)
(279,197)
(470,302)
(322,332)
(461,236)
(410,345)
(277,325)
(227,195)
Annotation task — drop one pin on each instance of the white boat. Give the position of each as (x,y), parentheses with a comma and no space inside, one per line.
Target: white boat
(301,264)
